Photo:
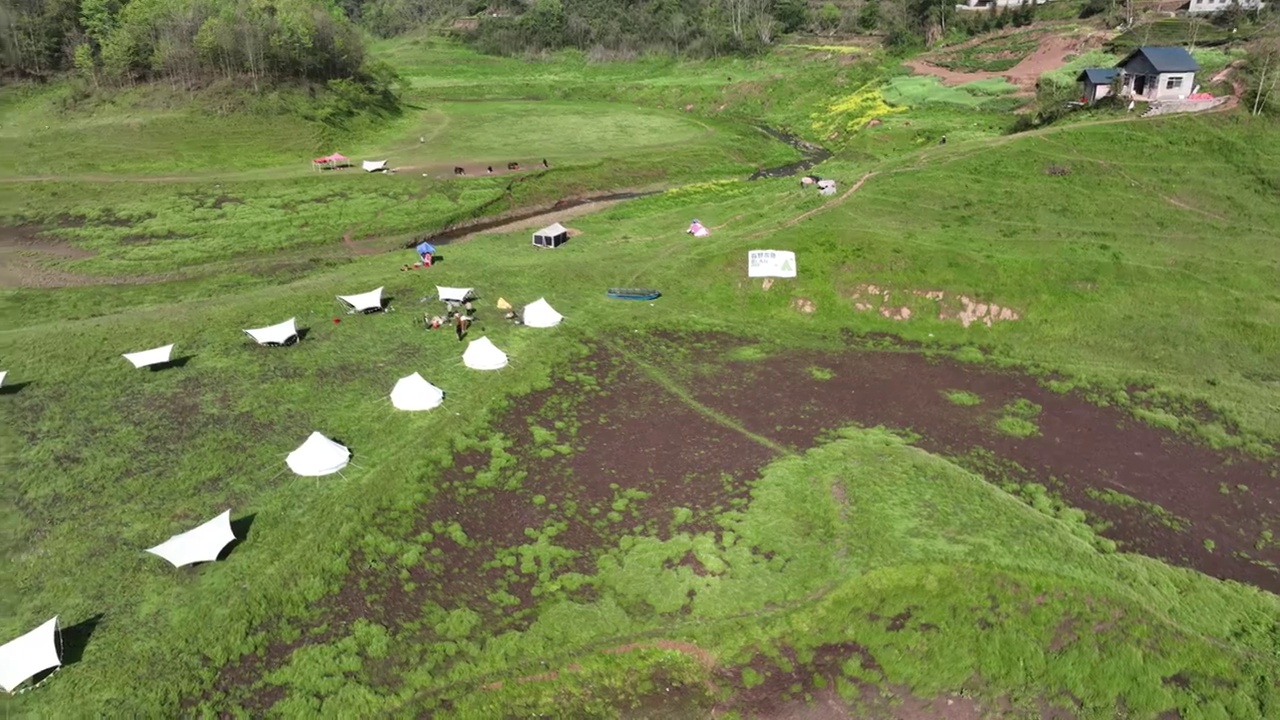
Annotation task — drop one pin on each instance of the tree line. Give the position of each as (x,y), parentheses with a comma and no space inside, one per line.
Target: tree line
(192,42)
(696,28)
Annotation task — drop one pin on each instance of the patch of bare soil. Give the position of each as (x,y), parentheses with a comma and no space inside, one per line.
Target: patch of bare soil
(575,451)
(961,308)
(25,251)
(1080,446)
(1050,55)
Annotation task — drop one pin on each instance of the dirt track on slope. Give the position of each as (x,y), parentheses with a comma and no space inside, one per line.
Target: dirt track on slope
(1050,55)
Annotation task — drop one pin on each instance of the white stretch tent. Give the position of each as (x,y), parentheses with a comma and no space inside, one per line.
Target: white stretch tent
(364,302)
(154,356)
(374,165)
(280,334)
(456,295)
(540,314)
(771,263)
(199,545)
(318,456)
(2,374)
(482,354)
(23,658)
(415,393)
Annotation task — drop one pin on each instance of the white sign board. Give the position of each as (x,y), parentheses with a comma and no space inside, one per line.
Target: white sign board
(771,263)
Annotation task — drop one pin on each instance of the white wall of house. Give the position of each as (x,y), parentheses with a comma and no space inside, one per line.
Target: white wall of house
(1164,86)
(1099,92)
(1173,86)
(1208,7)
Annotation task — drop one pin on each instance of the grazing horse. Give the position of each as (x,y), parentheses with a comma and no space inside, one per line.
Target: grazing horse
(490,169)
(459,171)
(513,166)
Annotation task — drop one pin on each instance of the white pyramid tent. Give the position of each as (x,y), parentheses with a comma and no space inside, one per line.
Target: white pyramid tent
(540,314)
(281,334)
(482,354)
(23,658)
(364,302)
(374,165)
(199,545)
(318,456)
(154,356)
(415,393)
(457,295)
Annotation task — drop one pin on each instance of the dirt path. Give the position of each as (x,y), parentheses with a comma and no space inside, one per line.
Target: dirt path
(1050,55)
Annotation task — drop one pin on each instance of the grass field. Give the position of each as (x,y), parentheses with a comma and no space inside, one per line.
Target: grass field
(654,509)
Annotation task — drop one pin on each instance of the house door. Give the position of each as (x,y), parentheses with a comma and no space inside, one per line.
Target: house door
(1140,85)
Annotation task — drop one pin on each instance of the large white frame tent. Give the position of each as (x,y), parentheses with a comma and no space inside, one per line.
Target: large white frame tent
(551,236)
(29,655)
(318,456)
(283,333)
(363,303)
(455,295)
(540,314)
(482,354)
(154,356)
(203,544)
(414,393)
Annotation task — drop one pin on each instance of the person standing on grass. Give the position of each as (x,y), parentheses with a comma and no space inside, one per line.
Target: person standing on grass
(460,324)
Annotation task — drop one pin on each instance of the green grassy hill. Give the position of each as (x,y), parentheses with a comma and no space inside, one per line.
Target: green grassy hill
(586,532)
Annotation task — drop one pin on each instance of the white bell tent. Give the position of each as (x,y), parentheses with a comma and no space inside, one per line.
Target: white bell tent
(482,354)
(374,165)
(362,303)
(455,295)
(154,356)
(202,544)
(25,657)
(281,334)
(318,456)
(540,314)
(415,393)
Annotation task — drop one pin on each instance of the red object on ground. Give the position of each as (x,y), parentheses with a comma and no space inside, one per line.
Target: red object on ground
(336,321)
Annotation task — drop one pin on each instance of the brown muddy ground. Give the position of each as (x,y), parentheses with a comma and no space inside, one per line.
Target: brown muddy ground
(1226,498)
(572,451)
(621,430)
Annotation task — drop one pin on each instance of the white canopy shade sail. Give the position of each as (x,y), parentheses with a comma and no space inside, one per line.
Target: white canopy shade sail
(482,354)
(374,165)
(199,545)
(318,456)
(23,658)
(540,314)
(154,356)
(279,334)
(2,374)
(452,294)
(415,393)
(364,302)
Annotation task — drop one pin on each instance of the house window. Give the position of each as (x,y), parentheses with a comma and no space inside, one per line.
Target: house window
(1173,83)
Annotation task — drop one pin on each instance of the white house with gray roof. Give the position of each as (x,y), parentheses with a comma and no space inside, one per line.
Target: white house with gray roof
(1148,74)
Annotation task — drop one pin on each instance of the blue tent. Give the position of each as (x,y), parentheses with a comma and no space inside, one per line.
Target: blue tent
(424,248)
